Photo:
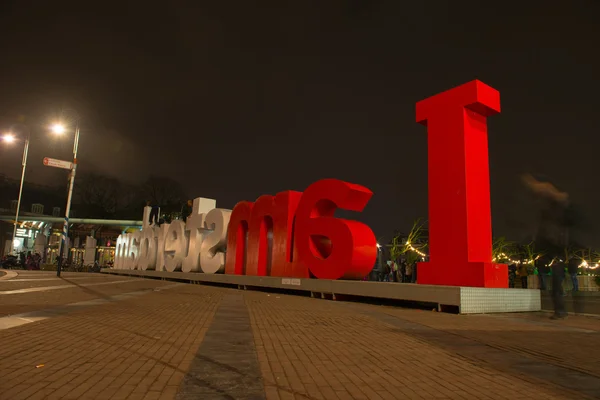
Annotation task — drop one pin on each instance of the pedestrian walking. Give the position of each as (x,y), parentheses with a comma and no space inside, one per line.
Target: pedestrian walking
(558,275)
(572,267)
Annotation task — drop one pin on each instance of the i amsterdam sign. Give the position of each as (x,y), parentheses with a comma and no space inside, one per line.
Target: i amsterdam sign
(296,235)
(292,234)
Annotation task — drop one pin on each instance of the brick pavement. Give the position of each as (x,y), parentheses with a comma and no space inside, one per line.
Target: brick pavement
(532,334)
(311,348)
(192,341)
(137,348)
(13,304)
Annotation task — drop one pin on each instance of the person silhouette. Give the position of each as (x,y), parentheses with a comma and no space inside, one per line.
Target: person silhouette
(558,275)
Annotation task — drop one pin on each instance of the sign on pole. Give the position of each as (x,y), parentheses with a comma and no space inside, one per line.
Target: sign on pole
(53,162)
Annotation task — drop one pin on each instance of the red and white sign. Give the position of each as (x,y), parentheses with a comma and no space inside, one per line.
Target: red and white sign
(295,235)
(53,162)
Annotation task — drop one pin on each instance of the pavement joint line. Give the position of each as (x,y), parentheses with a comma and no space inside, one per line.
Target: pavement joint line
(547,324)
(7,274)
(46,288)
(50,279)
(15,320)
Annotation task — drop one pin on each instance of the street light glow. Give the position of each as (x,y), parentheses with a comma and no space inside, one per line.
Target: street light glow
(59,129)
(8,138)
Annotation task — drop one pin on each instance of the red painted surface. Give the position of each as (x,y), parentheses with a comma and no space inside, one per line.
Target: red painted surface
(306,235)
(250,256)
(460,229)
(235,260)
(351,248)
(275,214)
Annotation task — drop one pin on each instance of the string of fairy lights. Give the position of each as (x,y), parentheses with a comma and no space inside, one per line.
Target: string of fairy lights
(505,257)
(419,252)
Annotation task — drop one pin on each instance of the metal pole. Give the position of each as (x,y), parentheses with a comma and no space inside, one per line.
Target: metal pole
(379,261)
(24,163)
(65,232)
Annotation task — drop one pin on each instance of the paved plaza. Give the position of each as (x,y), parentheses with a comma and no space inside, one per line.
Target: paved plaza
(94,336)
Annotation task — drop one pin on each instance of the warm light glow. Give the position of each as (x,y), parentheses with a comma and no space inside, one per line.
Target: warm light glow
(8,138)
(378,245)
(59,129)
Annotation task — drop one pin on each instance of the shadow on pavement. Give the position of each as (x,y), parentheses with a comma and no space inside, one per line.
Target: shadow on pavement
(545,353)
(87,289)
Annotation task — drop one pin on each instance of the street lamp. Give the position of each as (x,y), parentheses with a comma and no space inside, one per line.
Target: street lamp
(10,138)
(59,129)
(379,261)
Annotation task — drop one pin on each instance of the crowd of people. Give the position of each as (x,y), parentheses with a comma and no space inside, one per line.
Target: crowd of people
(553,272)
(391,271)
(26,261)
(544,268)
(550,272)
(156,219)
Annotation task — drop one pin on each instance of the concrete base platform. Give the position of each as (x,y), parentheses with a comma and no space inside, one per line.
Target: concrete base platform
(465,300)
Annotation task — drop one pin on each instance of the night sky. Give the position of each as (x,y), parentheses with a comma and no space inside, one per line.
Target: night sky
(237,98)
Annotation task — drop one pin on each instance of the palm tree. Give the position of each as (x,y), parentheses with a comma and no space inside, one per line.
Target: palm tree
(413,247)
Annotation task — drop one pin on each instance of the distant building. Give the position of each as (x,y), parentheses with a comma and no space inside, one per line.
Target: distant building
(38,201)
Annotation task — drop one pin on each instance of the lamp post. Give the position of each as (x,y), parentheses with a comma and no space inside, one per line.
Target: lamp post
(60,129)
(379,261)
(9,138)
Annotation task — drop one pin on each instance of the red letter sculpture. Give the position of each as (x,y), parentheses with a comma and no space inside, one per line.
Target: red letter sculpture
(460,229)
(352,248)
(235,259)
(268,213)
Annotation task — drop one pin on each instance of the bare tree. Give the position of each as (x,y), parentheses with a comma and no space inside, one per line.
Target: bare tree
(97,195)
(163,191)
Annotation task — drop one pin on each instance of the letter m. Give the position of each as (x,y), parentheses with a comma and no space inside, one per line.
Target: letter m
(260,236)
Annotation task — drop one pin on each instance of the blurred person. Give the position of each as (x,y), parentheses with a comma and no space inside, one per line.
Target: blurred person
(402,272)
(386,271)
(37,261)
(414,274)
(558,275)
(186,210)
(512,275)
(572,267)
(395,272)
(408,272)
(153,213)
(523,274)
(543,271)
